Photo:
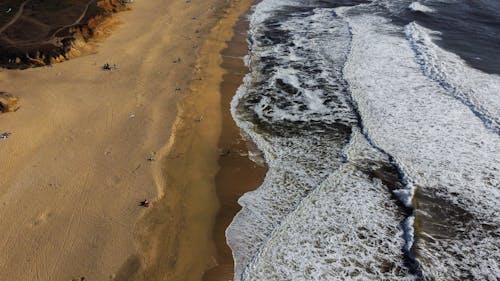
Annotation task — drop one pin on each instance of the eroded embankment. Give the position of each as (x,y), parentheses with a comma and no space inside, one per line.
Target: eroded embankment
(37,33)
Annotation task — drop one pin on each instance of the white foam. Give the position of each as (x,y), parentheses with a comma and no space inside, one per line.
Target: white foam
(348,228)
(419,7)
(439,143)
(263,9)
(478,90)
(299,224)
(296,165)
(409,224)
(309,102)
(301,162)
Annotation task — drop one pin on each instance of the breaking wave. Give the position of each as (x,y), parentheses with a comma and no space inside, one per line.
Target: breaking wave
(383,151)
(477,90)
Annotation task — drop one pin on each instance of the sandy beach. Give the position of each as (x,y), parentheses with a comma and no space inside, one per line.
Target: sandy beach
(76,165)
(237,173)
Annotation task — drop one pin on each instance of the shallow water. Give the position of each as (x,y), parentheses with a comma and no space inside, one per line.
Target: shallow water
(373,126)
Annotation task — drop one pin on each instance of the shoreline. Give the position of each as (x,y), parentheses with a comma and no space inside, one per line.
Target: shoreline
(237,174)
(192,170)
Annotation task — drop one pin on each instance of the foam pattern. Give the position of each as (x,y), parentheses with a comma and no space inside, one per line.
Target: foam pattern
(373,135)
(298,115)
(442,146)
(477,90)
(296,108)
(347,229)
(419,7)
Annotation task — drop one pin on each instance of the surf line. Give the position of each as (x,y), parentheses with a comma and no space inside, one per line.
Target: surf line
(403,196)
(417,41)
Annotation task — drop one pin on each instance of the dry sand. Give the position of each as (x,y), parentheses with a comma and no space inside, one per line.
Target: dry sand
(75,166)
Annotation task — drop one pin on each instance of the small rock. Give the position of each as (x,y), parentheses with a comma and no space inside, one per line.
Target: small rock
(8,102)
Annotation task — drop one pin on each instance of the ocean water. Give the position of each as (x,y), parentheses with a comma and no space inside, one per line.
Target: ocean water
(380,124)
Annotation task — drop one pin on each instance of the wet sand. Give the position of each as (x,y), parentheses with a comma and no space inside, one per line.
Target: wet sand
(237,173)
(76,164)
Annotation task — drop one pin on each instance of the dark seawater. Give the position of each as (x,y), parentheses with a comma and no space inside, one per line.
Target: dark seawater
(380,124)
(469,28)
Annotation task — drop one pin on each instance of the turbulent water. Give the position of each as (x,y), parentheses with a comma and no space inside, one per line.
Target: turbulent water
(380,124)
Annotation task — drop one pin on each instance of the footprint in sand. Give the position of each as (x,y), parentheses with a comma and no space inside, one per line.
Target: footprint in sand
(42,218)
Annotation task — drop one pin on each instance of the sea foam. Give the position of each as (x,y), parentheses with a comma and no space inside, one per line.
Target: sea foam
(477,90)
(295,106)
(419,7)
(443,147)
(372,138)
(348,226)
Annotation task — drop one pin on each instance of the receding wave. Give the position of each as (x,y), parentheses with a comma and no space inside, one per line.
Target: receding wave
(285,109)
(295,105)
(348,226)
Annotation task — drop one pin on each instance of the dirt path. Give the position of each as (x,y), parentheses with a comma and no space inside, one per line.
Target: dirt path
(15,18)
